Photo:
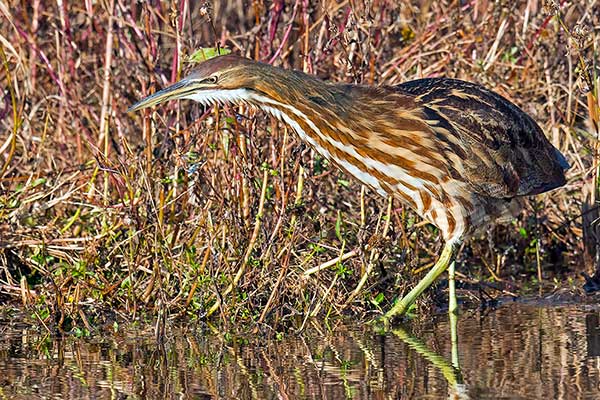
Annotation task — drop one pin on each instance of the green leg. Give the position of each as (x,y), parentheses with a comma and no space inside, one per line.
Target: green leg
(452,304)
(453,315)
(442,264)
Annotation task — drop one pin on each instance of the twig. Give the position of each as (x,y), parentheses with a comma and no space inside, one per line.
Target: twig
(331,263)
(13,99)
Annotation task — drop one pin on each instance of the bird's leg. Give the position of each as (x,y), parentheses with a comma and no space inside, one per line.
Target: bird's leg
(446,258)
(453,315)
(452,303)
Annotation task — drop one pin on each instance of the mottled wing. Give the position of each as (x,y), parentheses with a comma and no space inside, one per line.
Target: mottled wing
(503,153)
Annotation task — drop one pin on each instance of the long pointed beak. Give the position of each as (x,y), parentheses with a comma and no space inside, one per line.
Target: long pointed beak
(173,92)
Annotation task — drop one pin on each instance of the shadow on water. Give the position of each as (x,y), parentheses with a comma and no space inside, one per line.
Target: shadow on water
(519,351)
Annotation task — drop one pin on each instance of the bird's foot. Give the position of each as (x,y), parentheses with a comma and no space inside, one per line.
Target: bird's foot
(397,313)
(381,324)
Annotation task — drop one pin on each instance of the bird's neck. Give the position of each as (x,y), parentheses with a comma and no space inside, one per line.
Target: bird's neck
(328,118)
(303,101)
(366,131)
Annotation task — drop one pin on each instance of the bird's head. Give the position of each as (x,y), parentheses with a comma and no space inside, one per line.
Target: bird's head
(225,79)
(232,79)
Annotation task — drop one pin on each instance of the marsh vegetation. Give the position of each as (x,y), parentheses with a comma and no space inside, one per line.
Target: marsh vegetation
(108,218)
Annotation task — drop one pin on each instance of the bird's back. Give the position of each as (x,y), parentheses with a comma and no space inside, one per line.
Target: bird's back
(503,153)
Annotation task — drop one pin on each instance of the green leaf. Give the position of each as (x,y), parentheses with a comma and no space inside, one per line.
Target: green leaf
(229,121)
(192,156)
(378,299)
(338,226)
(523,233)
(342,271)
(343,182)
(206,53)
(38,181)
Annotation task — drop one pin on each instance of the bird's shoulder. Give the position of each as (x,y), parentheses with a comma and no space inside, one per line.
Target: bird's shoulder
(478,114)
(503,151)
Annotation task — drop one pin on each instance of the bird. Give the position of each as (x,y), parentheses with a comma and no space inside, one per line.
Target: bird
(460,155)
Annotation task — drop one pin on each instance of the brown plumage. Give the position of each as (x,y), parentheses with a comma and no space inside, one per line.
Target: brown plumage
(457,153)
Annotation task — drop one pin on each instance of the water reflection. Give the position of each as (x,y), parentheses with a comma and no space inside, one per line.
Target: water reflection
(517,351)
(457,390)
(592,332)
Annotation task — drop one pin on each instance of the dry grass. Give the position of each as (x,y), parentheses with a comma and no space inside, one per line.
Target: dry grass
(106,215)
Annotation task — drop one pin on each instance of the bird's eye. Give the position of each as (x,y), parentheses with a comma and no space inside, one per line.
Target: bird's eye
(211,79)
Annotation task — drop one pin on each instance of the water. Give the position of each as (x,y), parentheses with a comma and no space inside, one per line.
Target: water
(519,351)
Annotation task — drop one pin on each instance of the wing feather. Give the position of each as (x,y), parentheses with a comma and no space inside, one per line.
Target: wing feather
(504,153)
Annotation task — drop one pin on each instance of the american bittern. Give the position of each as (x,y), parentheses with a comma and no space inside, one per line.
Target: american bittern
(457,153)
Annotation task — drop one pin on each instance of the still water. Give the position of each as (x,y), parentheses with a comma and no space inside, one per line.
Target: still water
(518,351)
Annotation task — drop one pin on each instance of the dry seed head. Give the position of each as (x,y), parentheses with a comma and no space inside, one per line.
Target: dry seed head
(584,87)
(333,29)
(206,9)
(551,7)
(583,83)
(580,34)
(334,33)
(173,14)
